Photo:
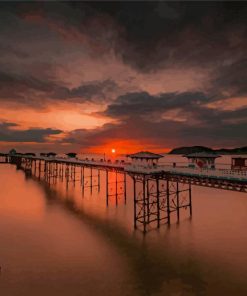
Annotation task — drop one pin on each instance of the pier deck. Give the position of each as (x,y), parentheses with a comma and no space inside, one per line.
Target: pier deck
(217,174)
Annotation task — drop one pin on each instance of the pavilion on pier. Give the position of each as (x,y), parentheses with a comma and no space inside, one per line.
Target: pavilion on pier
(239,163)
(202,160)
(144,158)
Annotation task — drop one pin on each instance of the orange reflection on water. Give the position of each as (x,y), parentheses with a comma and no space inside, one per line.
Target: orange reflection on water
(21,198)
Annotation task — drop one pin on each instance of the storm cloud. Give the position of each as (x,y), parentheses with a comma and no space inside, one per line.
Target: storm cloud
(8,134)
(190,122)
(21,89)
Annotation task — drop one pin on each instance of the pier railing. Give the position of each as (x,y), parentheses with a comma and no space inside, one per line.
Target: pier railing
(203,172)
(215,173)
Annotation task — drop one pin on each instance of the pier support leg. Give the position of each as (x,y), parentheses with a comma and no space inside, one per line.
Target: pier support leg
(178,208)
(74,174)
(116,190)
(168,201)
(190,199)
(158,202)
(107,193)
(67,173)
(144,203)
(135,201)
(148,202)
(98,180)
(125,188)
(91,180)
(82,179)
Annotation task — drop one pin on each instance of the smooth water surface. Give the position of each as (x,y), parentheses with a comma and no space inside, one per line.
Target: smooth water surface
(58,241)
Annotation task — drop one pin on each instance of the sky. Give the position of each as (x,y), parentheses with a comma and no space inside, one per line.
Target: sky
(92,76)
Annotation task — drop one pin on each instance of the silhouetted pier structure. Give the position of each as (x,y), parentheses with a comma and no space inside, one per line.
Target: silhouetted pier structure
(159,190)
(4,158)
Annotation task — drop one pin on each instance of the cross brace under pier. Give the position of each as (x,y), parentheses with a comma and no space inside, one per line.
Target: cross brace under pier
(157,197)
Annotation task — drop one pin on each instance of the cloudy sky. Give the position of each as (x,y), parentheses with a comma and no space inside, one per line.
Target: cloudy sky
(146,75)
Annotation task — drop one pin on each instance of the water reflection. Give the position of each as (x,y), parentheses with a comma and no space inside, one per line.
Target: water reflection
(57,242)
(149,267)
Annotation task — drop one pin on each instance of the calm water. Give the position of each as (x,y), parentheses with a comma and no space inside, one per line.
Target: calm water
(55,241)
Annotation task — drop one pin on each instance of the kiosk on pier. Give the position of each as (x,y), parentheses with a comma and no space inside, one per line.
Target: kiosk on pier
(144,159)
(239,163)
(202,160)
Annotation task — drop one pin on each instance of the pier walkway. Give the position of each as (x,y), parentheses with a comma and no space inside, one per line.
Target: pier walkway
(218,174)
(225,174)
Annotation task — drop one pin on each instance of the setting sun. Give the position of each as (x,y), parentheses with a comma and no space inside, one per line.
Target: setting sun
(113,150)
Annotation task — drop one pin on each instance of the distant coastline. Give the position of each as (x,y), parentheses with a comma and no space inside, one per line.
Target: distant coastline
(195,149)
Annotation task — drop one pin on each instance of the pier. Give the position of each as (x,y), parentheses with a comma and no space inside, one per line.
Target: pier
(159,191)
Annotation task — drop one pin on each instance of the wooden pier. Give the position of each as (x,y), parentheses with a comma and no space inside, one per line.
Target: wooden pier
(159,190)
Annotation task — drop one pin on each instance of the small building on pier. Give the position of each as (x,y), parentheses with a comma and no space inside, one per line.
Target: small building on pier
(51,154)
(144,158)
(12,152)
(71,155)
(202,160)
(239,163)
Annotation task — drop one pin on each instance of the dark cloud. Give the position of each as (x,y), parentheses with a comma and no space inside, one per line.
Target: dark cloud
(22,83)
(201,125)
(163,134)
(20,88)
(142,103)
(6,50)
(146,35)
(168,34)
(89,91)
(231,78)
(8,134)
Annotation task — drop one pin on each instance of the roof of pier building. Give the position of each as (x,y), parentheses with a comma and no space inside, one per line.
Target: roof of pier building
(144,155)
(202,155)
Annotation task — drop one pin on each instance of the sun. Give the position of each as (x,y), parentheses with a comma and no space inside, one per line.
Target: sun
(113,150)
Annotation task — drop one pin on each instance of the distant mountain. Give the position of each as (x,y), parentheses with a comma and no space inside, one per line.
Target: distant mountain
(241,150)
(192,149)
(196,149)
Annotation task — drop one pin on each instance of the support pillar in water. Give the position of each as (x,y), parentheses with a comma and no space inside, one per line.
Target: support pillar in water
(156,197)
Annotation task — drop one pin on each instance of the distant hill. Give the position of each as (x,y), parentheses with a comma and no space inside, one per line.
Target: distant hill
(192,149)
(241,150)
(196,149)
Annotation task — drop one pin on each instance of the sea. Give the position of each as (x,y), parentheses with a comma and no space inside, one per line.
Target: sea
(56,240)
